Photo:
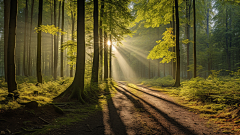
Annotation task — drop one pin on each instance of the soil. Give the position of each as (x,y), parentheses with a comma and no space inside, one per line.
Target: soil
(129,111)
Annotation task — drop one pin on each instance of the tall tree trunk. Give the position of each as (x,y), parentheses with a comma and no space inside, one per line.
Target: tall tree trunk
(30,41)
(6,32)
(11,72)
(194,41)
(58,36)
(77,87)
(52,43)
(39,42)
(25,39)
(187,33)
(73,20)
(110,57)
(101,41)
(177,77)
(94,79)
(62,39)
(173,48)
(55,44)
(227,47)
(105,56)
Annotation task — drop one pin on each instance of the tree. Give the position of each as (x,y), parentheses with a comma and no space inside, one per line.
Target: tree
(101,40)
(75,90)
(11,72)
(30,41)
(6,31)
(55,44)
(62,38)
(25,39)
(39,43)
(95,66)
(194,41)
(177,77)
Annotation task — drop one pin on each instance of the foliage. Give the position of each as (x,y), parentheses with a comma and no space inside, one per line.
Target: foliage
(162,49)
(51,29)
(71,47)
(165,81)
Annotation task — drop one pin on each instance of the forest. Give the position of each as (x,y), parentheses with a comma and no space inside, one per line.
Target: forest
(120,67)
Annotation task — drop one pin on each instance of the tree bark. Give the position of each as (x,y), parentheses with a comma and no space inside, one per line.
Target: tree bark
(101,41)
(94,79)
(55,45)
(6,32)
(11,72)
(177,77)
(187,33)
(77,87)
(39,43)
(194,40)
(105,56)
(30,40)
(25,40)
(62,39)
(174,48)
(73,20)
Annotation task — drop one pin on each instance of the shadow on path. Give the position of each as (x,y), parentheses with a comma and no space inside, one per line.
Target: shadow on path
(184,129)
(117,126)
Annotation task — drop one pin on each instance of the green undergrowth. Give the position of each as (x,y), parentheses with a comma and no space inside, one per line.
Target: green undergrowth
(165,81)
(30,90)
(217,98)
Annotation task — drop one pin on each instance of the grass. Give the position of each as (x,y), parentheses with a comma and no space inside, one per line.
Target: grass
(217,98)
(50,89)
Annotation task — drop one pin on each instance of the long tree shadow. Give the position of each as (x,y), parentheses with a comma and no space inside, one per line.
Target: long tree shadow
(171,120)
(117,126)
(171,102)
(139,106)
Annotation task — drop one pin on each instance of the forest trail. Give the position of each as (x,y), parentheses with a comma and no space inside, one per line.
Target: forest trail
(141,111)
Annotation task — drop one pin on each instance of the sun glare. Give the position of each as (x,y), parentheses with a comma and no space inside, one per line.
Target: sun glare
(109,43)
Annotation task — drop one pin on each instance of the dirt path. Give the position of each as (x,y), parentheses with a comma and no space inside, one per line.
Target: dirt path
(141,111)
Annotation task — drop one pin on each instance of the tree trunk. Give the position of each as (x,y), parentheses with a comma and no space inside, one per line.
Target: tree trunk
(177,77)
(227,48)
(194,40)
(55,44)
(39,42)
(6,32)
(149,69)
(52,43)
(187,33)
(174,48)
(25,40)
(94,79)
(11,72)
(101,41)
(77,87)
(105,56)
(62,39)
(30,40)
(71,66)
(110,58)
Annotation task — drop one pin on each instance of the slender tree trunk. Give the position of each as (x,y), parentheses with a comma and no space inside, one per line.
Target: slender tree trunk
(62,38)
(227,47)
(158,68)
(101,41)
(194,40)
(149,66)
(187,33)
(30,41)
(164,69)
(94,79)
(11,72)
(177,77)
(110,57)
(6,32)
(105,56)
(25,40)
(39,42)
(52,43)
(55,44)
(174,48)
(71,66)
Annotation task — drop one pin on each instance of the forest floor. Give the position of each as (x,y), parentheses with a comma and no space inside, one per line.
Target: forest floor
(126,110)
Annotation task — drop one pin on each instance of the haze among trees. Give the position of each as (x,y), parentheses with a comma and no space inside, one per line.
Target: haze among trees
(81,48)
